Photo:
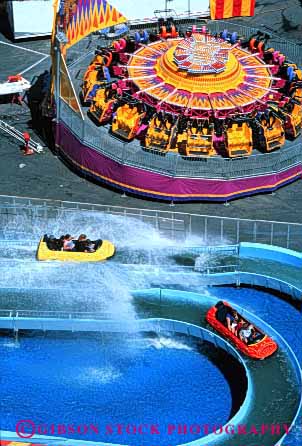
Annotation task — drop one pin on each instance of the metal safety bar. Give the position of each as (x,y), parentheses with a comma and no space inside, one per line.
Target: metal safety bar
(12,131)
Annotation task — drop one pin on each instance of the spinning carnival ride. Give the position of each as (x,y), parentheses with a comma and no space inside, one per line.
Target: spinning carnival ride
(199,94)
(192,93)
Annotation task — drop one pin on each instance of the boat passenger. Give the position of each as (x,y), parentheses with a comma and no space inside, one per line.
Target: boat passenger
(222,311)
(80,244)
(61,242)
(255,336)
(246,332)
(232,319)
(239,326)
(89,246)
(52,243)
(68,243)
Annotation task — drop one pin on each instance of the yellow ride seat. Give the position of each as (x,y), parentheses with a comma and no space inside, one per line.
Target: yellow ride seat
(92,77)
(168,125)
(157,122)
(88,71)
(299,74)
(298,95)
(100,95)
(119,113)
(98,60)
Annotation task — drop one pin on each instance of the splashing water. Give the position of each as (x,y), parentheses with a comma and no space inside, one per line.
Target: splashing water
(102,375)
(165,342)
(110,283)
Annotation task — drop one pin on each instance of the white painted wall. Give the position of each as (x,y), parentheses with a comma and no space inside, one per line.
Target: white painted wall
(32,17)
(139,9)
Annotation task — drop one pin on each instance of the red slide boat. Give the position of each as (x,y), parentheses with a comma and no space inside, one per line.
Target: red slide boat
(260,346)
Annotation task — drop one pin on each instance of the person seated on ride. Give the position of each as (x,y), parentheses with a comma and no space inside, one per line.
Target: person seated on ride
(222,311)
(80,244)
(61,243)
(51,242)
(89,246)
(68,243)
(232,319)
(239,326)
(246,332)
(255,336)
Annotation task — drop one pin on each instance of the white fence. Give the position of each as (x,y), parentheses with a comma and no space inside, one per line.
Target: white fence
(213,230)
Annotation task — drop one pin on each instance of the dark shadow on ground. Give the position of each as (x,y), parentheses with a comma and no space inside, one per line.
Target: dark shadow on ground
(38,98)
(5,26)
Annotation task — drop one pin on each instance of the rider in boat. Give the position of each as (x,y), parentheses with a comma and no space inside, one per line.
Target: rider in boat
(246,332)
(239,326)
(52,243)
(232,319)
(81,243)
(68,243)
(89,247)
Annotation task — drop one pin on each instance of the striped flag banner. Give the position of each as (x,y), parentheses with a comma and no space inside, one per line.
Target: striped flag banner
(224,9)
(82,17)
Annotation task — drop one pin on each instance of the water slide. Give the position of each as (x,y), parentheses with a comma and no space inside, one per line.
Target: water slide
(275,382)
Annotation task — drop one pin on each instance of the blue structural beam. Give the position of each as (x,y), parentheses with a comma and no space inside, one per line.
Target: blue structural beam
(270,252)
(253,279)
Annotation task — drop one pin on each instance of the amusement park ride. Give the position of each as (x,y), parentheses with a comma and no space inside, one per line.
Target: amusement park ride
(195,93)
(179,88)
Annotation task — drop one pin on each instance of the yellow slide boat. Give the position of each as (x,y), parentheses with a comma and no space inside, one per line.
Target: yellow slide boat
(104,250)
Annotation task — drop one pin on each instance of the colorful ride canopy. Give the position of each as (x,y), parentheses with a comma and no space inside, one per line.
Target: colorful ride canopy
(201,73)
(78,18)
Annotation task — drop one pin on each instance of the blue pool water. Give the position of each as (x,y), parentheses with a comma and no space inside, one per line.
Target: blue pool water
(107,380)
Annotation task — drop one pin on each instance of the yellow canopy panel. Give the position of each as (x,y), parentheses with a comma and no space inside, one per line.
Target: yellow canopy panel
(80,18)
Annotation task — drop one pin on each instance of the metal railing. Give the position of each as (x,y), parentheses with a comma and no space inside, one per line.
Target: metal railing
(243,277)
(173,164)
(55,314)
(220,269)
(211,230)
(15,133)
